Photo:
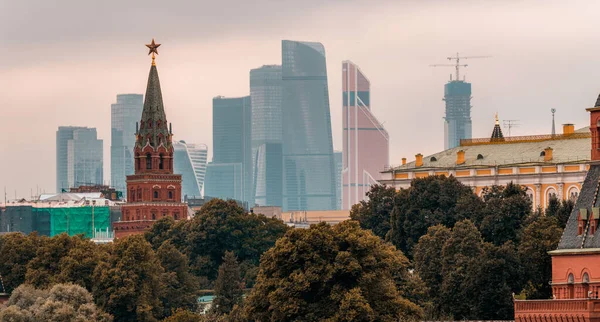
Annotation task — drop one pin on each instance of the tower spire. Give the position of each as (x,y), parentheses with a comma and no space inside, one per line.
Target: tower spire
(497,135)
(553,110)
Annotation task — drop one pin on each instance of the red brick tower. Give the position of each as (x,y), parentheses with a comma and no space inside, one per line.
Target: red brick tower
(153,191)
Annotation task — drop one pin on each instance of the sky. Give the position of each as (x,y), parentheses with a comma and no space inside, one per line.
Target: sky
(63,62)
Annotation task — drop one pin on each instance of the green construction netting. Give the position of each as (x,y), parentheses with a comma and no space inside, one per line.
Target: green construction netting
(73,220)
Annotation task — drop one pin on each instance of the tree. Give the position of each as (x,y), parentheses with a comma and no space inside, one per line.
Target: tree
(128,284)
(16,251)
(506,209)
(63,302)
(459,254)
(78,264)
(374,213)
(560,209)
(228,286)
(428,202)
(332,274)
(44,269)
(537,239)
(218,227)
(428,261)
(180,286)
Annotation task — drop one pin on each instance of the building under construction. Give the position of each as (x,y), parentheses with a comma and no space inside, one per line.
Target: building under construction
(457,124)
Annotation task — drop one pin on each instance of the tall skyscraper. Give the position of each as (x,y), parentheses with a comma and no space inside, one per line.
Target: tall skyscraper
(309,167)
(123,115)
(457,124)
(366,142)
(339,166)
(232,149)
(265,94)
(79,157)
(190,161)
(154,191)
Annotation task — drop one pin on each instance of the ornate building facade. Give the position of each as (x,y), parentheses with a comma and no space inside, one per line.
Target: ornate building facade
(153,191)
(576,262)
(548,165)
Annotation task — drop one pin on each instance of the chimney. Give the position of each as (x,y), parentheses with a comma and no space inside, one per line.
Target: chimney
(460,157)
(419,160)
(568,129)
(548,154)
(403,161)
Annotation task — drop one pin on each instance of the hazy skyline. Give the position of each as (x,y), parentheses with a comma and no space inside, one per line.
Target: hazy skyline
(63,62)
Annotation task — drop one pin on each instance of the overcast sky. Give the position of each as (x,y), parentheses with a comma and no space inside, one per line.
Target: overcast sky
(62,62)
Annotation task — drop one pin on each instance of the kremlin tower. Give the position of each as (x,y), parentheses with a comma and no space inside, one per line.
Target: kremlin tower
(153,191)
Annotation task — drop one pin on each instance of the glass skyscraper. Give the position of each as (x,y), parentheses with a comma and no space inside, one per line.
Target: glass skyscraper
(232,150)
(123,115)
(339,165)
(366,142)
(79,157)
(190,162)
(457,124)
(265,94)
(309,167)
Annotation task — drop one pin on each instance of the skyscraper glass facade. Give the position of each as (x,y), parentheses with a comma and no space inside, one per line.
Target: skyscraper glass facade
(309,167)
(366,142)
(265,94)
(339,166)
(457,124)
(123,115)
(232,125)
(79,157)
(190,162)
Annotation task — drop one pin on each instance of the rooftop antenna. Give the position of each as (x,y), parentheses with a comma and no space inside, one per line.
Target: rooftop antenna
(510,124)
(553,110)
(457,65)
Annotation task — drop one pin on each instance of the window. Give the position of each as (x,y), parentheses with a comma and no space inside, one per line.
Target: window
(570,286)
(479,157)
(153,216)
(550,194)
(132,194)
(148,161)
(176,215)
(170,194)
(161,162)
(432,159)
(155,194)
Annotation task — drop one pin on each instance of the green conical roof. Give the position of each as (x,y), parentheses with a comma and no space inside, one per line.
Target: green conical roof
(153,124)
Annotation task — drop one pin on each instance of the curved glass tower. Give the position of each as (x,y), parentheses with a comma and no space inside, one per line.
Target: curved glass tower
(190,161)
(308,162)
(265,95)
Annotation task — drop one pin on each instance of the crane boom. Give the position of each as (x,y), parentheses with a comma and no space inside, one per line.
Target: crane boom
(458,65)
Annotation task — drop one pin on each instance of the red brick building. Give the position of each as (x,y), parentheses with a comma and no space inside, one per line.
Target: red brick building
(153,190)
(576,262)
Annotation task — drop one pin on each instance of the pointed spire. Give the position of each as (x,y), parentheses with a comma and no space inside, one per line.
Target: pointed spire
(497,135)
(153,127)
(553,110)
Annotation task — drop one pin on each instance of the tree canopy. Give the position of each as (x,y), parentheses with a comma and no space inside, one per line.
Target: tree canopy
(325,273)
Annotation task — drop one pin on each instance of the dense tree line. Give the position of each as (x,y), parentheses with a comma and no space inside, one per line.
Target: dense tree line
(145,278)
(471,252)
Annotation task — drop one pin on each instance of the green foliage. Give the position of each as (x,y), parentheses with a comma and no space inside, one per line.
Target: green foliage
(128,285)
(374,213)
(538,238)
(428,202)
(44,270)
(63,302)
(559,209)
(180,287)
(181,315)
(428,261)
(336,273)
(506,208)
(228,286)
(468,278)
(218,227)
(16,251)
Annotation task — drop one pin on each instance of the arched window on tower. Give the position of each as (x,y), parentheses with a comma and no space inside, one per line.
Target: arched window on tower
(586,284)
(155,194)
(170,195)
(571,286)
(148,161)
(161,162)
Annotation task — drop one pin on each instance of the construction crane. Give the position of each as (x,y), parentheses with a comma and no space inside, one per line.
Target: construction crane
(457,66)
